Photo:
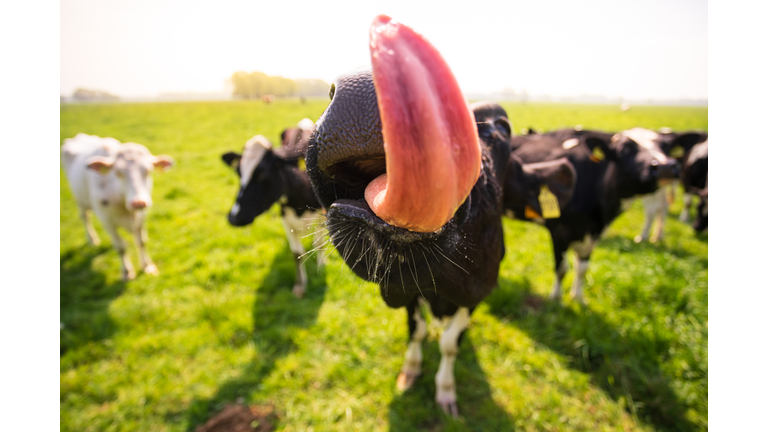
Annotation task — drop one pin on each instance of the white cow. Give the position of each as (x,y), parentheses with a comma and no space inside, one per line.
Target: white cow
(114,181)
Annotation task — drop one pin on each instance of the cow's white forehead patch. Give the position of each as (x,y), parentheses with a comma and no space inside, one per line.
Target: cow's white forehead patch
(254,152)
(570,143)
(645,138)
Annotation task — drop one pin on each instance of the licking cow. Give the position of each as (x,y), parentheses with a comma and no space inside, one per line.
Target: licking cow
(610,171)
(411,177)
(270,175)
(113,181)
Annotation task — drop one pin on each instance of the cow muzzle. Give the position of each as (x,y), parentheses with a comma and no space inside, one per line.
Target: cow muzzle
(664,170)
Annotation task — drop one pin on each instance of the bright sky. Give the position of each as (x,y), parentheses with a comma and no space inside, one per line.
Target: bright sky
(633,49)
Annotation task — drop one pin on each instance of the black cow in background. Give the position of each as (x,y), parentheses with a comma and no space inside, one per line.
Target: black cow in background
(695,179)
(610,171)
(270,175)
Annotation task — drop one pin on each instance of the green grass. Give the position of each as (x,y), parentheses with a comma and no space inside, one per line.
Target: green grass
(219,323)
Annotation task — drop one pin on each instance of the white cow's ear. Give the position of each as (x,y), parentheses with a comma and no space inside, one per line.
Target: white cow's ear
(163,162)
(100,164)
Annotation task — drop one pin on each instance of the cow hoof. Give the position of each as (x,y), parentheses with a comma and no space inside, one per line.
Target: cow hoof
(579,299)
(447,401)
(639,239)
(151,269)
(298,291)
(94,242)
(406,380)
(129,276)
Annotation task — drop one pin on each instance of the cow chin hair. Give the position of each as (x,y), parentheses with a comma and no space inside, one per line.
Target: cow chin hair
(373,256)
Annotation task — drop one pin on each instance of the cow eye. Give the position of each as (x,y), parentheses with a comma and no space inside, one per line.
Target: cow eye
(332,92)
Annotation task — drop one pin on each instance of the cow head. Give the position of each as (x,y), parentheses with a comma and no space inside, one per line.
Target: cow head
(524,182)
(261,180)
(396,154)
(132,166)
(641,165)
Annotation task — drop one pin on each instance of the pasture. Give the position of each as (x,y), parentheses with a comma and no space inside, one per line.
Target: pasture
(219,324)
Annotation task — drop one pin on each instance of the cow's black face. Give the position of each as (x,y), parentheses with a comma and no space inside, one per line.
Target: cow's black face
(264,188)
(346,152)
(641,169)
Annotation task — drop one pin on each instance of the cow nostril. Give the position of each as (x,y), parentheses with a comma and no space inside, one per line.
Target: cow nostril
(138,204)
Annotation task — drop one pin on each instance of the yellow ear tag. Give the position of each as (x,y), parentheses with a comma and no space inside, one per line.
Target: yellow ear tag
(302,164)
(677,152)
(597,155)
(550,208)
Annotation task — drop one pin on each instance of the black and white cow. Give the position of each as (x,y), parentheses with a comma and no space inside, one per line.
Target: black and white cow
(610,171)
(695,179)
(412,183)
(271,175)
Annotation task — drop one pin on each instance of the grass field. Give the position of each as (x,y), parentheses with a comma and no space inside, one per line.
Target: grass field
(220,324)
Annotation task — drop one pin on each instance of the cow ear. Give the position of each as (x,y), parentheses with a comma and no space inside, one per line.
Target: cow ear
(599,148)
(687,141)
(558,175)
(100,164)
(163,162)
(231,158)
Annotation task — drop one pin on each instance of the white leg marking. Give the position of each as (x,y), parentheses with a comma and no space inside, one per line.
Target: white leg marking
(557,287)
(445,395)
(145,262)
(687,201)
(583,250)
(578,282)
(412,365)
(292,225)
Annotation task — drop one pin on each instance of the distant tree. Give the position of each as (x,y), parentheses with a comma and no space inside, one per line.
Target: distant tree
(312,88)
(256,84)
(93,95)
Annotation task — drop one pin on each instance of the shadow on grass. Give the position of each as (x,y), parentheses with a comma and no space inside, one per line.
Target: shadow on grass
(276,314)
(416,408)
(626,245)
(84,298)
(625,367)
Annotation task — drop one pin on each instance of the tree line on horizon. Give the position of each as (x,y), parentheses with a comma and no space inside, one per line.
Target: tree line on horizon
(256,84)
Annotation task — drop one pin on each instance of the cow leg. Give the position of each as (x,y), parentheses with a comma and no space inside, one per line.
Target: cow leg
(651,205)
(583,250)
(291,226)
(90,233)
(661,216)
(561,268)
(445,395)
(140,235)
(687,201)
(126,268)
(417,331)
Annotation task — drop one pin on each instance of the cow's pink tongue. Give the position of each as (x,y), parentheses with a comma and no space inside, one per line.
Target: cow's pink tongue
(430,137)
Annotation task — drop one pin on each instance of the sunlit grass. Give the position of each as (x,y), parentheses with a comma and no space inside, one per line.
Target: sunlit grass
(219,323)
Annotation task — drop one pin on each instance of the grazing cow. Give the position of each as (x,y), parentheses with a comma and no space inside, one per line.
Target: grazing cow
(268,176)
(695,179)
(611,170)
(114,181)
(268,98)
(420,215)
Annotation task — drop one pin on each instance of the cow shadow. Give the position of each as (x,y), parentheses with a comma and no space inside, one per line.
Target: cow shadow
(84,298)
(276,316)
(627,367)
(416,409)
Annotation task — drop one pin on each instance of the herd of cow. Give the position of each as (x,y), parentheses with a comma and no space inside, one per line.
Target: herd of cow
(414,183)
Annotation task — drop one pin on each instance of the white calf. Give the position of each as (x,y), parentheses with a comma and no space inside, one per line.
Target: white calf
(114,181)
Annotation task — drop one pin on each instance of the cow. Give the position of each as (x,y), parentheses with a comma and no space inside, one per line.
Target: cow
(675,146)
(611,170)
(113,181)
(411,177)
(268,176)
(695,180)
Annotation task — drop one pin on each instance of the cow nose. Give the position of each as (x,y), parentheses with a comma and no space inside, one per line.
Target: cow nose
(138,204)
(664,170)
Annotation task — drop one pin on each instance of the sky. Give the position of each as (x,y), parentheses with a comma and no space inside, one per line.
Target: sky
(631,49)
